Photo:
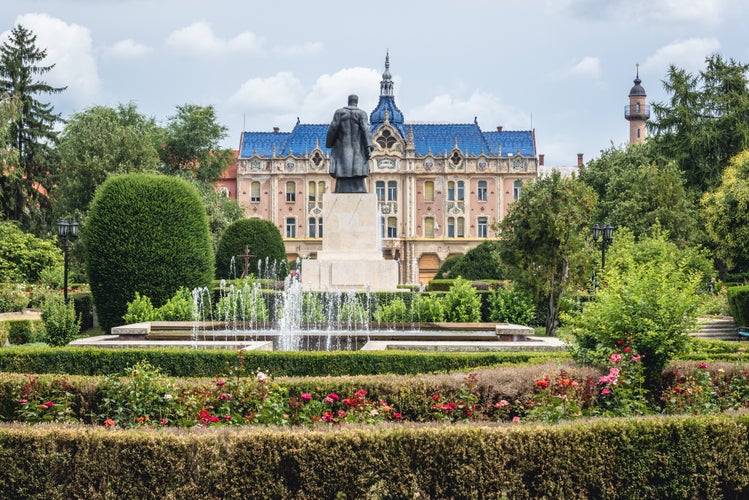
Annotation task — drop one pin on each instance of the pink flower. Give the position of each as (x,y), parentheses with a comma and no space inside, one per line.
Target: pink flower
(163,421)
(615,358)
(333,396)
(223,395)
(435,397)
(327,416)
(635,358)
(501,404)
(702,366)
(306,397)
(516,419)
(227,418)
(48,404)
(605,391)
(328,400)
(220,383)
(361,393)
(22,401)
(397,415)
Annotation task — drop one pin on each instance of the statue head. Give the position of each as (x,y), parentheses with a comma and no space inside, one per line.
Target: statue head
(353,100)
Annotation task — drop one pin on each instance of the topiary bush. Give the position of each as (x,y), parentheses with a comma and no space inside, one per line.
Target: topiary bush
(145,233)
(738,301)
(462,304)
(263,240)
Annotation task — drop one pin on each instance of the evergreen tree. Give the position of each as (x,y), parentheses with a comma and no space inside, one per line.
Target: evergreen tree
(25,185)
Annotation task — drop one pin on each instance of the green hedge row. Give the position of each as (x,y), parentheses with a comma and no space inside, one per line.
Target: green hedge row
(209,363)
(738,302)
(626,458)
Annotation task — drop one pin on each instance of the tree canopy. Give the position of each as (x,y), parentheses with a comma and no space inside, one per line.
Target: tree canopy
(542,239)
(25,185)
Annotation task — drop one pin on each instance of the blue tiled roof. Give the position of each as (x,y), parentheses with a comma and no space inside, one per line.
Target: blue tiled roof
(433,138)
(395,116)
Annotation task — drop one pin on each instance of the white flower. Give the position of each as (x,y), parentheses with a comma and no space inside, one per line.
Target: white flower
(168,397)
(261,377)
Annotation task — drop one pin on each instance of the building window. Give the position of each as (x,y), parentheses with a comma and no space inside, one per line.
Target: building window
(482,228)
(290,191)
(382,227)
(380,190)
(223,191)
(451,227)
(461,227)
(392,227)
(392,191)
(461,191)
(386,140)
(481,191)
(311,191)
(517,186)
(429,227)
(312,227)
(319,227)
(291,227)
(255,192)
(429,191)
(320,191)
(451,191)
(638,133)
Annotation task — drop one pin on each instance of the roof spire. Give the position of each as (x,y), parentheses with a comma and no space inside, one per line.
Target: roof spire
(386,85)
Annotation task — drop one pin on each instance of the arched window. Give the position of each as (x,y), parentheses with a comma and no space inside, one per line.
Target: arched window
(429,227)
(312,233)
(386,139)
(461,227)
(380,190)
(290,191)
(255,192)
(451,227)
(429,191)
(451,191)
(392,191)
(311,191)
(482,227)
(461,191)
(481,191)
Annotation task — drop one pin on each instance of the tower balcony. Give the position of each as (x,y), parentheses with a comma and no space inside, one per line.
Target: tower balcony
(641,112)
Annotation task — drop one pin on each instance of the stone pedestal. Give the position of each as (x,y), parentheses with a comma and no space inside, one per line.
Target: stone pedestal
(351,257)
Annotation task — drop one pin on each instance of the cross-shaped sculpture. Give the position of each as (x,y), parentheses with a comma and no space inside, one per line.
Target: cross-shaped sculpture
(246,256)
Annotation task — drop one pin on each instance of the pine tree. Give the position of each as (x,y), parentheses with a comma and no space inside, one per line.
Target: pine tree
(32,135)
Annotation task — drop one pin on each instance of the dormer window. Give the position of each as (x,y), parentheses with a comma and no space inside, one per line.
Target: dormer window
(456,158)
(317,158)
(386,139)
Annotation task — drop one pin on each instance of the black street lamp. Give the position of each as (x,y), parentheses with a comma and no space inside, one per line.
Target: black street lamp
(606,234)
(66,230)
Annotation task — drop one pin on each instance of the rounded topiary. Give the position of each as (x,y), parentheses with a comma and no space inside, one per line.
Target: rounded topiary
(145,233)
(263,240)
(479,263)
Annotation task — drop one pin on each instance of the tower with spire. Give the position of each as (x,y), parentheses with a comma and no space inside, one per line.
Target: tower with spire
(637,112)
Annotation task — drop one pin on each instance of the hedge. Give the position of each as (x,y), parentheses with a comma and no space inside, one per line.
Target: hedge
(148,234)
(738,301)
(209,363)
(675,457)
(264,242)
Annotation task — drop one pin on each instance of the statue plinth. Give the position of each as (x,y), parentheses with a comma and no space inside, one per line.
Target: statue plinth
(351,257)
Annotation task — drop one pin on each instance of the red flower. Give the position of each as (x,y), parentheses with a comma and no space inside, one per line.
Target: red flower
(223,395)
(435,397)
(163,421)
(220,383)
(22,401)
(627,349)
(361,393)
(109,422)
(306,397)
(620,342)
(397,416)
(334,396)
(542,383)
(702,366)
(48,404)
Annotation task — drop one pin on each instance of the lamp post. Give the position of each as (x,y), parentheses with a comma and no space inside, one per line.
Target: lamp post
(606,234)
(66,230)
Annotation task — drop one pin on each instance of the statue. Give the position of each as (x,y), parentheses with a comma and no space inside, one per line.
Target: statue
(351,143)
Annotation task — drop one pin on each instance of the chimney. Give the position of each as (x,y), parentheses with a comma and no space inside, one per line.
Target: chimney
(276,129)
(579,159)
(499,128)
(540,160)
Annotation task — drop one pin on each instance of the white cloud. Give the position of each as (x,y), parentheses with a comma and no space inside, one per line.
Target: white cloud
(587,67)
(69,48)
(487,107)
(644,11)
(686,54)
(305,49)
(198,39)
(281,92)
(128,49)
(330,92)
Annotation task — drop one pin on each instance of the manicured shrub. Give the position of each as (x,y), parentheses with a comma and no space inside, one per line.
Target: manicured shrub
(738,302)
(479,263)
(24,331)
(147,234)
(510,306)
(263,240)
(23,256)
(428,308)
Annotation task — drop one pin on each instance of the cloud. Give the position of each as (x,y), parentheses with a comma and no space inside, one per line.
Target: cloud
(331,91)
(686,54)
(199,40)
(644,11)
(281,92)
(587,67)
(127,49)
(69,48)
(487,107)
(304,49)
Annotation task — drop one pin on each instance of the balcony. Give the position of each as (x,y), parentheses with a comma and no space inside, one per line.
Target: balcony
(641,112)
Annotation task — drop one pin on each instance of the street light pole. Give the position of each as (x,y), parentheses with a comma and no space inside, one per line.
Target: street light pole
(606,234)
(66,230)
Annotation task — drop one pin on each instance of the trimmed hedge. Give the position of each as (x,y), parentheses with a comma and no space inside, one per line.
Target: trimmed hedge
(24,331)
(145,233)
(673,457)
(264,242)
(209,363)
(738,301)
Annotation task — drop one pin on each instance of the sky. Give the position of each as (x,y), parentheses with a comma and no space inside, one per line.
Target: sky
(561,67)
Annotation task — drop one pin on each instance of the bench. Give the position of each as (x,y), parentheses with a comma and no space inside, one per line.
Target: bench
(743,332)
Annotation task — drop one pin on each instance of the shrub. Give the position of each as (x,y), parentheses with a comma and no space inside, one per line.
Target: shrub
(178,308)
(510,306)
(738,302)
(263,240)
(24,331)
(13,297)
(479,263)
(145,233)
(427,308)
(23,256)
(60,322)
(245,304)
(139,310)
(462,304)
(393,312)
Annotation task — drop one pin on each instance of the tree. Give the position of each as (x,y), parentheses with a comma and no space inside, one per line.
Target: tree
(192,144)
(221,210)
(145,233)
(726,213)
(264,242)
(542,242)
(23,256)
(706,120)
(25,185)
(640,190)
(481,262)
(98,142)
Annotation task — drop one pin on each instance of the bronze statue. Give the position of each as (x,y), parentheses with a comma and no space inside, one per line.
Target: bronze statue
(351,143)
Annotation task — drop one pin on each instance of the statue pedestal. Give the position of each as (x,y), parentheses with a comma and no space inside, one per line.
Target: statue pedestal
(351,257)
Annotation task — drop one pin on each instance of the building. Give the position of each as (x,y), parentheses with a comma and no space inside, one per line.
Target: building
(439,186)
(637,112)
